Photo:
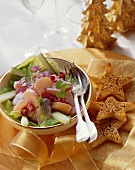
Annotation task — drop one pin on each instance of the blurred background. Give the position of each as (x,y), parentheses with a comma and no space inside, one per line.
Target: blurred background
(17,29)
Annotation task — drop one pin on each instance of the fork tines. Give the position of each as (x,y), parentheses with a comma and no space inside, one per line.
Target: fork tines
(72,70)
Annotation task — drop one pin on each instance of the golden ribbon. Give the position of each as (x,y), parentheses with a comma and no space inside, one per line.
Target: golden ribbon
(32,153)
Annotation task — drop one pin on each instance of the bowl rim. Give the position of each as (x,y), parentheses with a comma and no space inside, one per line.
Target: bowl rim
(73,118)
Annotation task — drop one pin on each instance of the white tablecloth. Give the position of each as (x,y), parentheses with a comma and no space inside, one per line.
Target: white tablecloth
(16,31)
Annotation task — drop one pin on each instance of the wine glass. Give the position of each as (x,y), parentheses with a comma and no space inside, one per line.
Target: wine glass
(74,12)
(59,33)
(33,6)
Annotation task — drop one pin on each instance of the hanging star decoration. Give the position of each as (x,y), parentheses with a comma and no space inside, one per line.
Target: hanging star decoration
(110,84)
(107,130)
(112,108)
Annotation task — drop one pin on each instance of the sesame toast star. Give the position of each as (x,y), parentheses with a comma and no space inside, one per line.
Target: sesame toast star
(110,84)
(112,108)
(107,130)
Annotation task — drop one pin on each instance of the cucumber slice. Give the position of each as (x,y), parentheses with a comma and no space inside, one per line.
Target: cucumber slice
(54,65)
(8,106)
(26,62)
(15,114)
(8,95)
(46,63)
(61,117)
(16,71)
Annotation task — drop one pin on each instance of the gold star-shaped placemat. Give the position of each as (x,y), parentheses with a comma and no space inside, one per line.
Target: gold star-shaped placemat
(112,108)
(107,130)
(110,84)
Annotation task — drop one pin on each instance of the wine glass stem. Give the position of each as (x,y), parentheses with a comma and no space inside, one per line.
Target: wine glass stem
(35,29)
(57,13)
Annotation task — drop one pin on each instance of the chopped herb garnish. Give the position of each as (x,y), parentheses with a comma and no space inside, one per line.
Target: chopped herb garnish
(68,78)
(27,79)
(28,76)
(61,94)
(59,84)
(62,86)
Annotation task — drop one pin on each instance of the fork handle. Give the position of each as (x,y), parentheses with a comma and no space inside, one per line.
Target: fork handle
(92,129)
(77,106)
(87,119)
(85,110)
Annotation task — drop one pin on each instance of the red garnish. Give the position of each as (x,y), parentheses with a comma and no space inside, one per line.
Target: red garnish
(52,78)
(62,75)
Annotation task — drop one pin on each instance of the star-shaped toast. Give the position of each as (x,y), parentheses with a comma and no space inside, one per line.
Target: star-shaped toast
(107,130)
(112,108)
(110,84)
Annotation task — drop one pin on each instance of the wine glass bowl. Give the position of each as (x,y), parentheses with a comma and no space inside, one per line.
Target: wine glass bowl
(60,33)
(32,5)
(38,47)
(74,12)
